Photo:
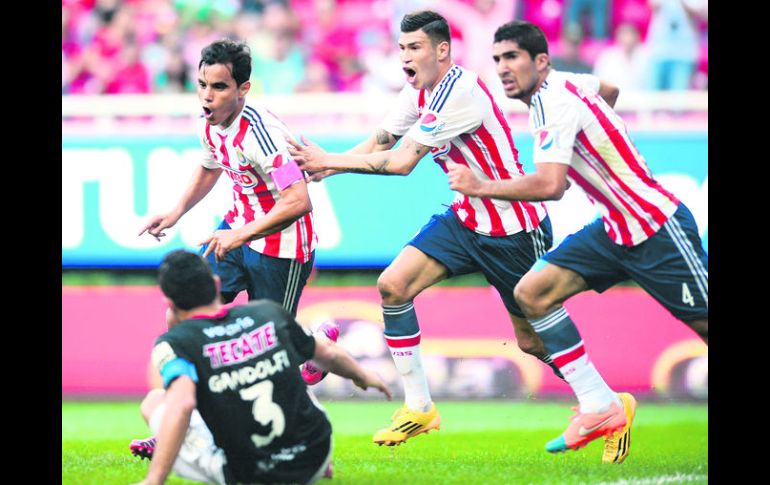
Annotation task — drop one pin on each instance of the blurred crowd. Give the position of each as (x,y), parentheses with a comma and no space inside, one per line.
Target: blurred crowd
(153,46)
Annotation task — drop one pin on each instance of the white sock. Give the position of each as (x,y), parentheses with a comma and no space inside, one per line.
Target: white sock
(593,394)
(409,364)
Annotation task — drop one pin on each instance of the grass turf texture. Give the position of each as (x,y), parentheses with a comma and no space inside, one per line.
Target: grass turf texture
(479,443)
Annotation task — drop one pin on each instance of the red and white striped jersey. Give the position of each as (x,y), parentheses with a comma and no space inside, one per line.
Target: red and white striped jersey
(461,123)
(573,125)
(249,150)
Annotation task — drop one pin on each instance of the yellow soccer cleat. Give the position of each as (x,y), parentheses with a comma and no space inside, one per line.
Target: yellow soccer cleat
(618,444)
(406,424)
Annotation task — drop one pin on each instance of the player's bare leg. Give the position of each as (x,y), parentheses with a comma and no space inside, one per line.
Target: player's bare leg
(409,274)
(545,288)
(601,412)
(529,342)
(144,448)
(151,401)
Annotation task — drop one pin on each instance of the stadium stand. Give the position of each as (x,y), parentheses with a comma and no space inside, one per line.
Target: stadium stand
(151,46)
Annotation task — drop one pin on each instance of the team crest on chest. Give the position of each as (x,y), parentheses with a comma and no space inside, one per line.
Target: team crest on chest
(242,174)
(241,157)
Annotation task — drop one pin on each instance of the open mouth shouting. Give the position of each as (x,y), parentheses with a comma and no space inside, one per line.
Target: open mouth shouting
(411,74)
(207,112)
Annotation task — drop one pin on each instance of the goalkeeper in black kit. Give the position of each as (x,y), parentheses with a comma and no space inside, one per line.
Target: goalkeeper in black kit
(234,408)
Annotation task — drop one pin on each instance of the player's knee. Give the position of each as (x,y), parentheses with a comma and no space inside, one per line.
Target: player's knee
(533,296)
(392,291)
(150,402)
(533,302)
(527,296)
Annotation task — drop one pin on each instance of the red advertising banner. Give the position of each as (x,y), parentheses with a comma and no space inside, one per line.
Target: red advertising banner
(468,343)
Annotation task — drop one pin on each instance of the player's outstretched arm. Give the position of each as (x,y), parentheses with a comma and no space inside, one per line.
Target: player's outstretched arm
(201,183)
(337,360)
(399,161)
(180,402)
(547,183)
(378,141)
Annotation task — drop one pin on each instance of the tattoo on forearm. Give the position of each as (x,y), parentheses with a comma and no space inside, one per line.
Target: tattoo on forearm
(378,166)
(375,164)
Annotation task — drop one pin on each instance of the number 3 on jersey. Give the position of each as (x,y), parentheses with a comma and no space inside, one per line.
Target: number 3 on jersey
(265,411)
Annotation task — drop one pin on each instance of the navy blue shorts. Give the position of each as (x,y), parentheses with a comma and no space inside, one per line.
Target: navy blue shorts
(503,260)
(277,279)
(672,265)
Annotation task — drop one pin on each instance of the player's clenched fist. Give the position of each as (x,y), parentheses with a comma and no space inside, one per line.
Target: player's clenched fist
(463,180)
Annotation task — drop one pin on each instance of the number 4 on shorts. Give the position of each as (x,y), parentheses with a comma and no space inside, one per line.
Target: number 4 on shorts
(687,296)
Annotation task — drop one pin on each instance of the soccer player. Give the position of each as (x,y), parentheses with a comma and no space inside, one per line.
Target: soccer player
(447,111)
(644,234)
(265,244)
(235,408)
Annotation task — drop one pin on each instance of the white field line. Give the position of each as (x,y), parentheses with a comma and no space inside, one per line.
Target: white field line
(660,480)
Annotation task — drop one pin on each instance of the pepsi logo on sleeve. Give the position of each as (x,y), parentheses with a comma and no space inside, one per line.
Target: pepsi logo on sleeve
(545,140)
(431,123)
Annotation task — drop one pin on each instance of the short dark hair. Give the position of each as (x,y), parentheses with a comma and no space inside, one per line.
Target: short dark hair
(434,25)
(187,280)
(527,35)
(226,51)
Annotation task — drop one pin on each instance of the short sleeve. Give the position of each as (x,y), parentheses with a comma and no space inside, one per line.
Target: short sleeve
(555,137)
(446,118)
(587,81)
(404,114)
(171,365)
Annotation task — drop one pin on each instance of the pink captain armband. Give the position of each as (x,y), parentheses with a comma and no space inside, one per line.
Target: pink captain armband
(286,175)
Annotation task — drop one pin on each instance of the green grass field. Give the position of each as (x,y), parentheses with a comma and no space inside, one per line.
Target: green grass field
(479,443)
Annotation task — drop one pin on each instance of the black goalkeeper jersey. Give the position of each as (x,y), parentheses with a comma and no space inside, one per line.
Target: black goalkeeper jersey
(249,389)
